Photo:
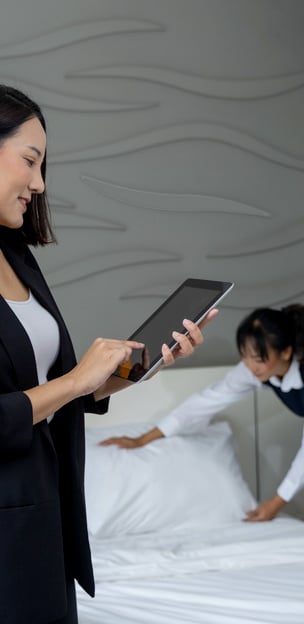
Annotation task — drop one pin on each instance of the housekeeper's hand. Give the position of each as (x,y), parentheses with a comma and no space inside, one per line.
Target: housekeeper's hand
(267,510)
(130,443)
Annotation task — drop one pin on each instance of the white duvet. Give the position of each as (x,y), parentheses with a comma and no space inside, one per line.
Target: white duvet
(264,596)
(234,547)
(246,573)
(202,564)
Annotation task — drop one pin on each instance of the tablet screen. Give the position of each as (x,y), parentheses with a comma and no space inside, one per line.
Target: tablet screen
(192,300)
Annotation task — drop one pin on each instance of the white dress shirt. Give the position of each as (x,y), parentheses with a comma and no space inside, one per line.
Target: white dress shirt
(195,413)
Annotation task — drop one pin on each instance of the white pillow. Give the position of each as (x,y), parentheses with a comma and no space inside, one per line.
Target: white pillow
(177,483)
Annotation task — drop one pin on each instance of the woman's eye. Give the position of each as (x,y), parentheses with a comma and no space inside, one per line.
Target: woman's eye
(29,161)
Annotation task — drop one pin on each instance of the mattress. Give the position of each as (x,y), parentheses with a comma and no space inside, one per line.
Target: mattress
(169,542)
(241,572)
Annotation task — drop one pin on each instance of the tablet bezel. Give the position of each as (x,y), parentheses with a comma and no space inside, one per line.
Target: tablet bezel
(221,290)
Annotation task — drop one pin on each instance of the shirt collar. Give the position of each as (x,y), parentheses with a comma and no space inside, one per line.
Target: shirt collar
(292,379)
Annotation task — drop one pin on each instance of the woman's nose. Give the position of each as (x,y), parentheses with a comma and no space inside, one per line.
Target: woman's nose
(37,183)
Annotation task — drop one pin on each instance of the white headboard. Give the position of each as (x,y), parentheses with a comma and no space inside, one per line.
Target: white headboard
(266,434)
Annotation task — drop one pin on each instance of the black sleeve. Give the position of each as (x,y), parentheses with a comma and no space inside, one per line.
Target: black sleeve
(96,407)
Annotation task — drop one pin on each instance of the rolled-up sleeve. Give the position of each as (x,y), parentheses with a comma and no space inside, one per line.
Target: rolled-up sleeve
(16,423)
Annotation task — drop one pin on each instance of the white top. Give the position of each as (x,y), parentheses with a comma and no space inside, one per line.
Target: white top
(43,332)
(195,413)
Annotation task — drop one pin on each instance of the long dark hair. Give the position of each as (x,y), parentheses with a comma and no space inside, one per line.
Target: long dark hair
(277,329)
(15,109)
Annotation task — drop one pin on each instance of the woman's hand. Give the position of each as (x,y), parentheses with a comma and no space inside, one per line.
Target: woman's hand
(123,442)
(93,370)
(186,343)
(266,511)
(99,362)
(131,443)
(185,347)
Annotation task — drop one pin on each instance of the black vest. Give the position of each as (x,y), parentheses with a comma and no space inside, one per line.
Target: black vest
(294,399)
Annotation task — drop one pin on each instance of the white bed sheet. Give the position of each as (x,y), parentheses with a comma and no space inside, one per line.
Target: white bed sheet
(241,573)
(274,596)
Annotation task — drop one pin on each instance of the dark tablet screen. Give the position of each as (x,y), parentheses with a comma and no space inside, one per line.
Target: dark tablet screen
(192,300)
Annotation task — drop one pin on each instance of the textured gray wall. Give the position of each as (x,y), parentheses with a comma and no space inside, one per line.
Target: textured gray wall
(176,149)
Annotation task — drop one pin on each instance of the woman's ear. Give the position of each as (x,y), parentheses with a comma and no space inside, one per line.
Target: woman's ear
(286,354)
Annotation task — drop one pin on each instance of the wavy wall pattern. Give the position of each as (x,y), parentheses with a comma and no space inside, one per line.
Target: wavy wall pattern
(160,291)
(258,252)
(76,33)
(96,265)
(289,238)
(48,98)
(244,223)
(84,222)
(172,202)
(223,88)
(67,215)
(185,132)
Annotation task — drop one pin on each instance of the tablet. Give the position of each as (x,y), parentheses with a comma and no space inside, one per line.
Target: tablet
(192,300)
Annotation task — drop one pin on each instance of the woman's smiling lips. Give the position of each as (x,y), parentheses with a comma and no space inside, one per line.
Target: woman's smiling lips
(24,201)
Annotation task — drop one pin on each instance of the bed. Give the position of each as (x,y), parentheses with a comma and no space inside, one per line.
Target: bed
(166,521)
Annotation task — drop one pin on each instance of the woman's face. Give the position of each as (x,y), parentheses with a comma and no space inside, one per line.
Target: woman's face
(277,363)
(21,157)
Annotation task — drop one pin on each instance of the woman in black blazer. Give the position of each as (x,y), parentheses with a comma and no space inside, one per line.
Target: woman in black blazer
(43,394)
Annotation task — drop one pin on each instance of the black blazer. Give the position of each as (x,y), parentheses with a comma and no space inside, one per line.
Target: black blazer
(43,527)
